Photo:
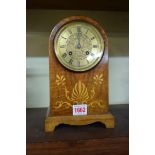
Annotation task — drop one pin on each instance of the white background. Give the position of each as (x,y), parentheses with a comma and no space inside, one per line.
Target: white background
(13,77)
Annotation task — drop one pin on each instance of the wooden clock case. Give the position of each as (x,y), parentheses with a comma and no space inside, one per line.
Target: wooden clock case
(69,87)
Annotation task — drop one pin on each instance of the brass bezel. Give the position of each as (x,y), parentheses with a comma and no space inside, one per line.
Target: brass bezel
(76,68)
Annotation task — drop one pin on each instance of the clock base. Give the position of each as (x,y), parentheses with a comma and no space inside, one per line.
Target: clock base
(52,121)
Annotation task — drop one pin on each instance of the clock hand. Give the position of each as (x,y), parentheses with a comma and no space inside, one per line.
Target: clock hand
(78,43)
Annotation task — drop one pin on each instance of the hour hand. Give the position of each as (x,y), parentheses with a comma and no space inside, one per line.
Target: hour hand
(78,45)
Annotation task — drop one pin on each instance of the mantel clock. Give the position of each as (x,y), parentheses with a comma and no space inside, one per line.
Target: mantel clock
(78,70)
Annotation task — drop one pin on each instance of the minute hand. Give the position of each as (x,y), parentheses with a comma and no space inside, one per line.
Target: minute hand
(78,43)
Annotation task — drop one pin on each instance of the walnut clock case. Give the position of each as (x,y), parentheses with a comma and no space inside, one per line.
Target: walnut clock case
(78,70)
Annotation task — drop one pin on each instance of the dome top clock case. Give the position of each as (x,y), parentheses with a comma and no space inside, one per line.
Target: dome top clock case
(78,70)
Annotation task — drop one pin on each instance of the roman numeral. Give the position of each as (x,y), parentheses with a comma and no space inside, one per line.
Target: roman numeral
(70,32)
(92,38)
(62,46)
(92,54)
(70,61)
(63,37)
(94,46)
(79,29)
(64,55)
(78,63)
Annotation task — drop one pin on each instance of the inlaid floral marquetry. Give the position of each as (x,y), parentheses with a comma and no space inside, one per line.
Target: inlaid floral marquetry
(98,79)
(60,80)
(79,93)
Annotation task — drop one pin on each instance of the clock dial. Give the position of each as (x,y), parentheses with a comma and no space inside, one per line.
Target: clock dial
(79,46)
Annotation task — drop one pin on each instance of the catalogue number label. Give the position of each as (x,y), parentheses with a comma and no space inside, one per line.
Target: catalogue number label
(80,109)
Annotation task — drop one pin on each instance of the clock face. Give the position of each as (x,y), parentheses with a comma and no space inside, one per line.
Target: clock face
(79,46)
